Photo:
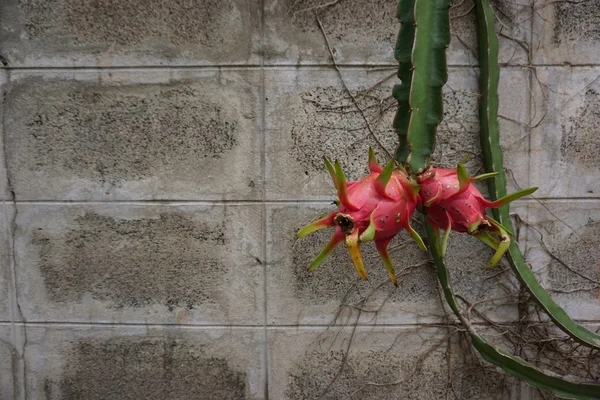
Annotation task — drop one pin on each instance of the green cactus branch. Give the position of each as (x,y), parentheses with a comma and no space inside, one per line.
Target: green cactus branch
(493,163)
(429,75)
(401,92)
(513,365)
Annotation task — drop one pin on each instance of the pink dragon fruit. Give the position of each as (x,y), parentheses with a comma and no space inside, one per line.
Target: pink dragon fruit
(376,207)
(452,202)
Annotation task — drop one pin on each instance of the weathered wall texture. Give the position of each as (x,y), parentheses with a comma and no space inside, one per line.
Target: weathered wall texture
(159,155)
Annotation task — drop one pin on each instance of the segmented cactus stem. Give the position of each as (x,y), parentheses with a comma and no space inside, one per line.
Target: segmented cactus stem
(513,365)
(493,163)
(429,75)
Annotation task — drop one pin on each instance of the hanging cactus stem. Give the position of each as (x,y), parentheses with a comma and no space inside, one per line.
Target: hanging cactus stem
(493,163)
(513,365)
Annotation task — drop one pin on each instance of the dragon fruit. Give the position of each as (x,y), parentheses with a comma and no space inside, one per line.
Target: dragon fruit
(376,207)
(452,202)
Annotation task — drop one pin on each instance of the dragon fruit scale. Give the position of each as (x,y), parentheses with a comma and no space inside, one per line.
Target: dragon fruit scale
(376,207)
(452,202)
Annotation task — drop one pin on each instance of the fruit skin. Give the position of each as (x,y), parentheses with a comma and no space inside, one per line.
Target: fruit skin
(453,203)
(450,204)
(376,207)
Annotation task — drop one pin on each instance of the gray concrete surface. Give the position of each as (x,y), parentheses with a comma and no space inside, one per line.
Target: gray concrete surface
(158,157)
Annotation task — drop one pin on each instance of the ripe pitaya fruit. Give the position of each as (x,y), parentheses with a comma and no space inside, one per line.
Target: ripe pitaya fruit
(377,207)
(452,202)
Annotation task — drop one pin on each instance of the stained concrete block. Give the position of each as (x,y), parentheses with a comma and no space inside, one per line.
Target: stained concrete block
(144,134)
(333,293)
(512,28)
(309,115)
(8,364)
(573,361)
(6,229)
(565,151)
(144,363)
(382,363)
(106,33)
(566,32)
(563,242)
(177,264)
(365,31)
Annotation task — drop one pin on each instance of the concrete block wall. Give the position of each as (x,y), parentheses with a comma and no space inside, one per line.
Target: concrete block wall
(158,157)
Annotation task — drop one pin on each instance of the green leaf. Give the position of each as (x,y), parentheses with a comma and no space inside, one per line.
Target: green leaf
(513,365)
(493,162)
(430,73)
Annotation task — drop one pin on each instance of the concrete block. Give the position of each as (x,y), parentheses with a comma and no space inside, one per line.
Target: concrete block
(566,32)
(144,363)
(105,33)
(575,362)
(309,115)
(565,151)
(8,364)
(378,363)
(512,27)
(458,133)
(144,134)
(176,264)
(333,294)
(365,32)
(6,262)
(563,246)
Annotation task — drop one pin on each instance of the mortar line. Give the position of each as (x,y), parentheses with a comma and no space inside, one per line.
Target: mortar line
(261,66)
(18,336)
(529,111)
(290,202)
(263,163)
(258,327)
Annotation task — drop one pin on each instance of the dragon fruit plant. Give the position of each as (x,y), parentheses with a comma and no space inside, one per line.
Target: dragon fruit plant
(452,202)
(380,205)
(376,207)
